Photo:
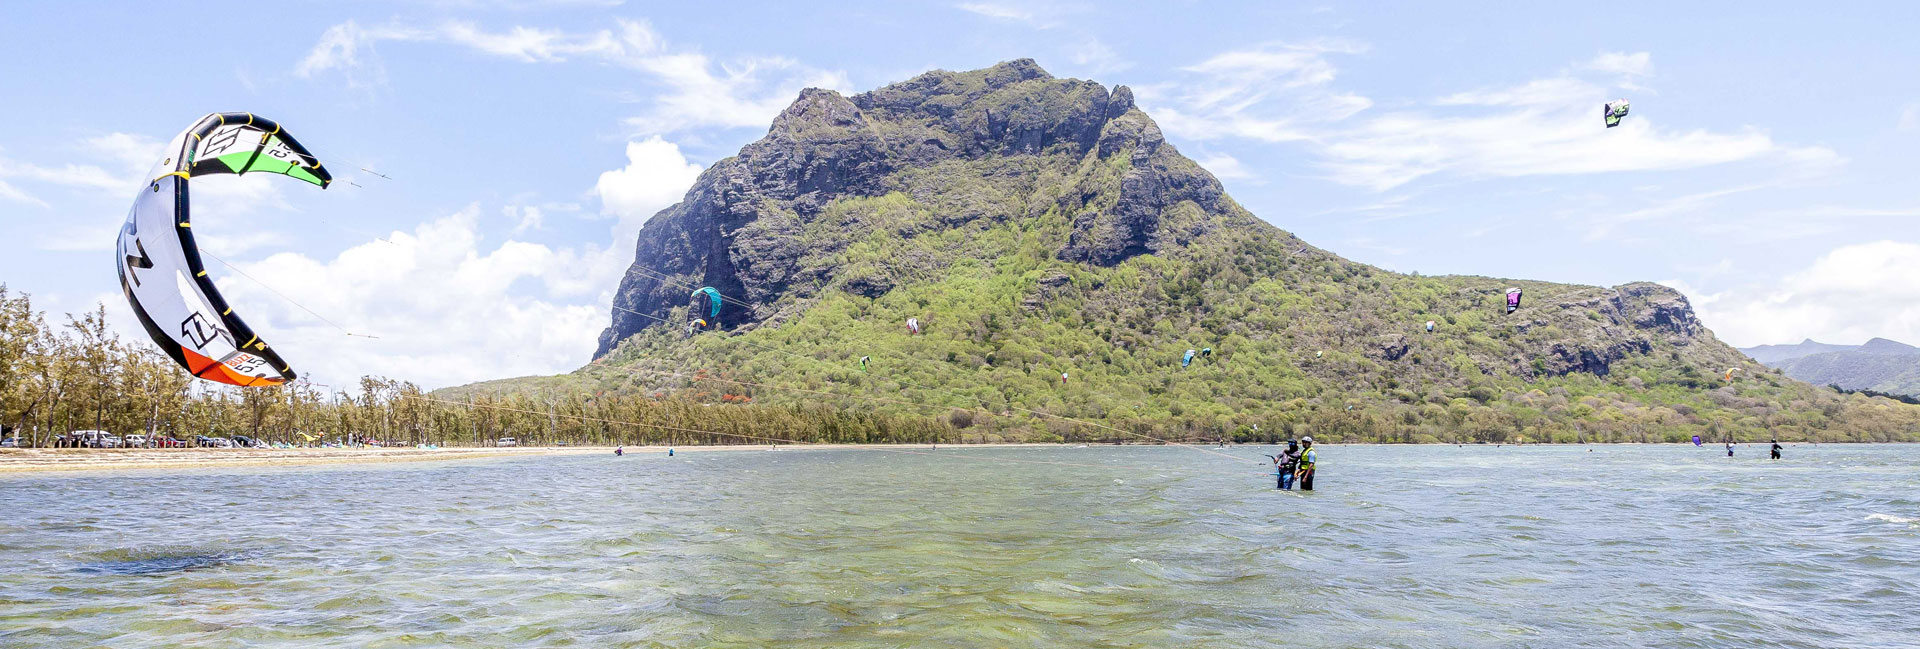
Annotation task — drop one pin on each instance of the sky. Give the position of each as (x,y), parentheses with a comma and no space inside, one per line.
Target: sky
(493,160)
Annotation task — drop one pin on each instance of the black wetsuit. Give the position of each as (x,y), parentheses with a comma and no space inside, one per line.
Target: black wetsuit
(1776,450)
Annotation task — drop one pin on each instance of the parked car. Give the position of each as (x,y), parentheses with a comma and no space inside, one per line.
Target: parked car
(204,441)
(135,440)
(507,441)
(10,442)
(94,439)
(243,441)
(164,441)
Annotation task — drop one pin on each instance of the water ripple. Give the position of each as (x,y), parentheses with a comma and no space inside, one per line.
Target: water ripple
(1401,547)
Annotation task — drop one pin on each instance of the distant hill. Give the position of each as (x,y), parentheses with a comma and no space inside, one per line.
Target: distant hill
(1880,365)
(1061,256)
(1771,354)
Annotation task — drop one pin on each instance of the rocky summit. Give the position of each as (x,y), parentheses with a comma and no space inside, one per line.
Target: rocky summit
(1061,256)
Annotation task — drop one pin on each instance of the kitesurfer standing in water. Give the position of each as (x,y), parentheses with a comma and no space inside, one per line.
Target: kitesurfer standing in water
(1729,448)
(1776,449)
(1304,471)
(1283,465)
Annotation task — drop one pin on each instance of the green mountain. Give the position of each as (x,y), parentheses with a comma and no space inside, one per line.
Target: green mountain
(1037,227)
(1880,365)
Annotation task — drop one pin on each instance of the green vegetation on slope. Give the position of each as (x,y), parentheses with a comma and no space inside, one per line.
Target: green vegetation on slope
(1305,342)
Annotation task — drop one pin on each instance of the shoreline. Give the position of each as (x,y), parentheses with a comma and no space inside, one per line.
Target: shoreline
(49,460)
(45,460)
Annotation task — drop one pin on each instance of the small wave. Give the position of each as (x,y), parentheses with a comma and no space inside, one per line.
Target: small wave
(124,562)
(1892,519)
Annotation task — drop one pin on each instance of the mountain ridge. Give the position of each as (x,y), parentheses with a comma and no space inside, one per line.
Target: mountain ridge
(1062,254)
(1879,365)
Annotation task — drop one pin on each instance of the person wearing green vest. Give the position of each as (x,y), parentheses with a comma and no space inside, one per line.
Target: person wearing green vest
(1303,473)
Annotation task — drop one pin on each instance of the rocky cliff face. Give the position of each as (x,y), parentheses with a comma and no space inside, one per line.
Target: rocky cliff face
(743,226)
(1035,226)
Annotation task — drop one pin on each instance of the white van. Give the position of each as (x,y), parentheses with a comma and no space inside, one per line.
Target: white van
(135,440)
(507,441)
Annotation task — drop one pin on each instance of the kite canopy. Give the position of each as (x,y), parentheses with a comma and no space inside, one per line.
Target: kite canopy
(707,299)
(913,325)
(160,266)
(1513,300)
(1188,358)
(1614,111)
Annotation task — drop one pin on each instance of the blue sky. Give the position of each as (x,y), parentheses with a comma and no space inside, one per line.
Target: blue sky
(1766,169)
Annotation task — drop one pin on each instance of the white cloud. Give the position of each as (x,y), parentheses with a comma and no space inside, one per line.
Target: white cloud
(992,10)
(657,175)
(1690,204)
(742,92)
(1277,93)
(76,176)
(1909,118)
(526,217)
(1549,126)
(1225,166)
(17,195)
(1095,57)
(1375,245)
(447,309)
(1626,66)
(1847,296)
(745,93)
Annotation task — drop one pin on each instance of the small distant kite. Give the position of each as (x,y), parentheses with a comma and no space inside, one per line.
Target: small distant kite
(1513,300)
(707,299)
(1614,111)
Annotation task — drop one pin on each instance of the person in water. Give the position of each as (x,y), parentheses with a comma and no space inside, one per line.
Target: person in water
(1729,449)
(619,451)
(1776,449)
(1303,471)
(1283,465)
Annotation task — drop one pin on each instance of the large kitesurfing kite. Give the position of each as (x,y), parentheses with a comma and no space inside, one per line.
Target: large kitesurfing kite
(160,267)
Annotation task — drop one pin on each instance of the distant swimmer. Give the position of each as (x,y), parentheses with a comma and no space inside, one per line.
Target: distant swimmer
(1304,466)
(1776,449)
(619,451)
(669,452)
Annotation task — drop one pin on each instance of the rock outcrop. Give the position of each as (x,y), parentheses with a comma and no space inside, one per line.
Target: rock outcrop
(742,227)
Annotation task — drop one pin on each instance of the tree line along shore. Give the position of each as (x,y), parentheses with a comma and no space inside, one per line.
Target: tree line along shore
(80,375)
